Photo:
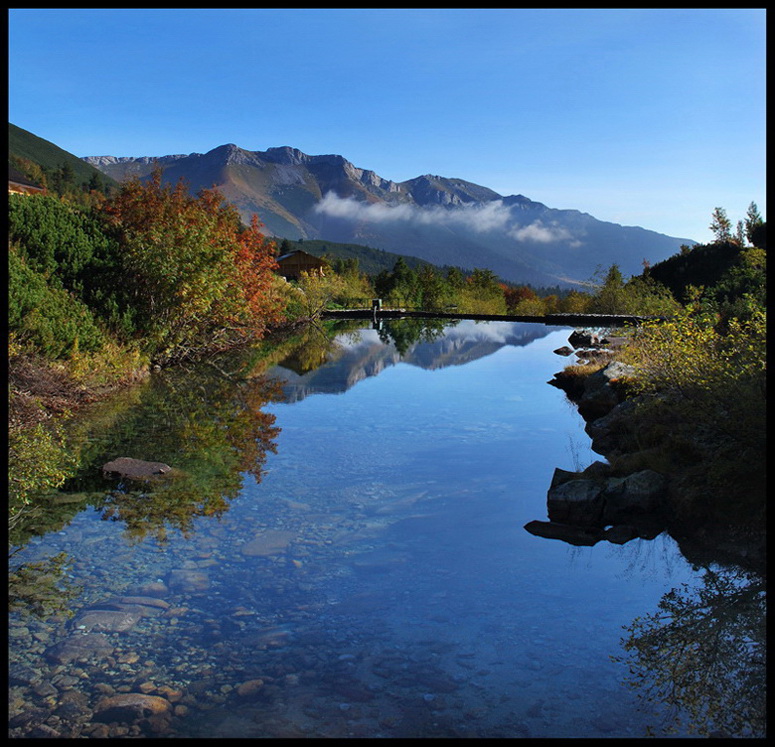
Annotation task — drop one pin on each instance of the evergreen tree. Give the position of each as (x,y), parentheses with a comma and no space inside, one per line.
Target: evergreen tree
(720,225)
(753,220)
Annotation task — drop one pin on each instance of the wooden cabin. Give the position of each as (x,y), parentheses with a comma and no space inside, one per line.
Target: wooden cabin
(291,265)
(19,184)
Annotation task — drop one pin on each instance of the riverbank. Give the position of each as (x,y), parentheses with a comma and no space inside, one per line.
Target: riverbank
(628,429)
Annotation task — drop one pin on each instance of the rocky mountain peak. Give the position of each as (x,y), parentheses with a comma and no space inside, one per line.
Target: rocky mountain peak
(286,154)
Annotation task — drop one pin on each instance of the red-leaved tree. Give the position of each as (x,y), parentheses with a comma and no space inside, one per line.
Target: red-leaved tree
(197,275)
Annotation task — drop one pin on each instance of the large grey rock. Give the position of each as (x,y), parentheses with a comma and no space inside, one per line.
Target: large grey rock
(637,494)
(578,502)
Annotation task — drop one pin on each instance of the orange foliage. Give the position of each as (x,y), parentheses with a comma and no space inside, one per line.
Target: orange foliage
(194,268)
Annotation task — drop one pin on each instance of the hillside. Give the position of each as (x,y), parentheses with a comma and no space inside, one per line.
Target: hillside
(23,144)
(444,221)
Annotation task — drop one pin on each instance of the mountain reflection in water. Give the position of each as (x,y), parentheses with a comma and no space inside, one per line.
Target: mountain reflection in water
(365,352)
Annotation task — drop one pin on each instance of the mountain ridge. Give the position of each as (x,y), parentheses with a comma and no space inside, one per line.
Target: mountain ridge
(443,220)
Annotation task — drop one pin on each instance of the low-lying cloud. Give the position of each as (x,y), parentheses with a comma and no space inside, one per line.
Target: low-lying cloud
(543,234)
(480,217)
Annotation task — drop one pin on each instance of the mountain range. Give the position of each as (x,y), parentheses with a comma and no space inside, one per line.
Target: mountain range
(444,221)
(440,220)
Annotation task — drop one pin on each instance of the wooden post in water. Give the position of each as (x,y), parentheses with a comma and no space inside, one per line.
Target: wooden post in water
(376,305)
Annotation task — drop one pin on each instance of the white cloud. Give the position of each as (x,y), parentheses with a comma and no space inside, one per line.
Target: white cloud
(480,217)
(541,233)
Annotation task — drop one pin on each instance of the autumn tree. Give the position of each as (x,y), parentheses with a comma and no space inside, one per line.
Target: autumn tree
(516,294)
(483,293)
(195,273)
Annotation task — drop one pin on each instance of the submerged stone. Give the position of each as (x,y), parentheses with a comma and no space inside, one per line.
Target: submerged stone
(271,542)
(127,707)
(136,469)
(79,647)
(115,621)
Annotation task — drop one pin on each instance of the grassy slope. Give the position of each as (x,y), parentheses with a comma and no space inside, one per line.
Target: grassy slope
(24,144)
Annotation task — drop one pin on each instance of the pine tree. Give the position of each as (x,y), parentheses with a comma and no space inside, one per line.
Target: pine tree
(720,225)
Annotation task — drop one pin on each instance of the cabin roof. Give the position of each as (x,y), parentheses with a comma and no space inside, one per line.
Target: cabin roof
(16,177)
(299,253)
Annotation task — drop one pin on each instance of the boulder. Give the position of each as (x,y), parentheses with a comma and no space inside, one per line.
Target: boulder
(593,498)
(579,502)
(562,476)
(613,433)
(596,471)
(638,494)
(601,390)
(135,469)
(585,338)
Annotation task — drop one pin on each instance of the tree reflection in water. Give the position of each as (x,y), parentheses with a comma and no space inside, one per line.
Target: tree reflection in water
(704,652)
(42,588)
(213,431)
(404,333)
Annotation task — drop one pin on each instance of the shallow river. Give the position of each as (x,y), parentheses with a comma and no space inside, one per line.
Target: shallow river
(370,577)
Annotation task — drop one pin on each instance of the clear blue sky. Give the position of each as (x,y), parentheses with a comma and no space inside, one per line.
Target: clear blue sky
(647,117)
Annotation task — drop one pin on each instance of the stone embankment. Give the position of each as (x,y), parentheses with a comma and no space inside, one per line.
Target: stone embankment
(596,504)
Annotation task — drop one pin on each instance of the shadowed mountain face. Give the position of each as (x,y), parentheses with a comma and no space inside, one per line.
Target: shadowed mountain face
(441,220)
(355,356)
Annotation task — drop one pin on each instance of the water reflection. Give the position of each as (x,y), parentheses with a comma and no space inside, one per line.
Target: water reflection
(703,653)
(333,364)
(332,567)
(212,429)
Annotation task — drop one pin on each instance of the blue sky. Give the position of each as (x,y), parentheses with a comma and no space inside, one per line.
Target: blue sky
(647,117)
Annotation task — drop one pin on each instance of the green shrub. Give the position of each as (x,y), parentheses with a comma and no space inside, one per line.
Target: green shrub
(709,411)
(73,250)
(48,318)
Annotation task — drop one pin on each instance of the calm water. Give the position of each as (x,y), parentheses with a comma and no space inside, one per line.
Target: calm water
(350,560)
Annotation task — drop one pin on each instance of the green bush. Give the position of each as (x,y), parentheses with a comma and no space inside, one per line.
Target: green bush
(48,318)
(709,412)
(74,250)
